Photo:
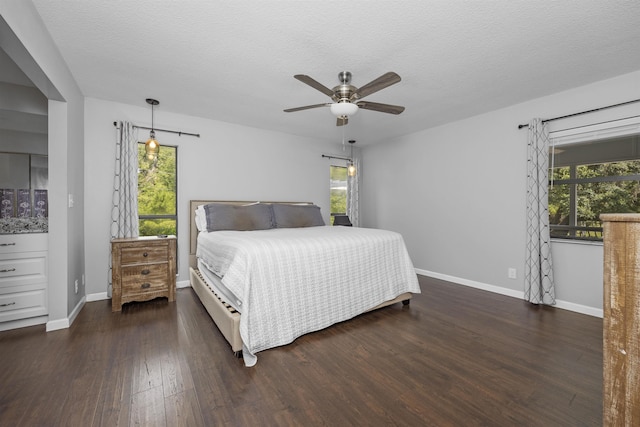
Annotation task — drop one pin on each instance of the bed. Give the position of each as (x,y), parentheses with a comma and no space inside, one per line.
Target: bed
(269,272)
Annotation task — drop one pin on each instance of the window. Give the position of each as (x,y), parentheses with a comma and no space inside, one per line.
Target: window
(158,192)
(338,188)
(590,178)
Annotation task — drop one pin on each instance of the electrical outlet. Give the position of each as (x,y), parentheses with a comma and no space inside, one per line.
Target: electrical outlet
(76,286)
(511,273)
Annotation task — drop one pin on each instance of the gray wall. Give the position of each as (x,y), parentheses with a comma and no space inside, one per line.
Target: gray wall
(228,162)
(457,194)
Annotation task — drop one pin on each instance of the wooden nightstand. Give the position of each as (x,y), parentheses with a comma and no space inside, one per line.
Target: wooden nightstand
(143,268)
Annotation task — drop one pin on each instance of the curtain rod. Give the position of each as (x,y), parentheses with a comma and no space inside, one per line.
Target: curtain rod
(339,158)
(163,130)
(583,112)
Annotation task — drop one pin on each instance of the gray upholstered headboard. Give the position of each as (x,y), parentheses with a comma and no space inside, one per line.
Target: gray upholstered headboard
(193,230)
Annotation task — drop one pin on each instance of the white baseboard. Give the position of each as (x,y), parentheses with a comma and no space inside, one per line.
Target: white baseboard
(76,310)
(578,308)
(97,297)
(183,284)
(54,325)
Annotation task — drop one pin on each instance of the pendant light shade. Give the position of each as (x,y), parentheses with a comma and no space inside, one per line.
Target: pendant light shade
(152,147)
(351,169)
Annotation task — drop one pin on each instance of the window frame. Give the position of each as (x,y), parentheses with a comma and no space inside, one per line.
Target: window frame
(334,214)
(591,133)
(573,183)
(164,216)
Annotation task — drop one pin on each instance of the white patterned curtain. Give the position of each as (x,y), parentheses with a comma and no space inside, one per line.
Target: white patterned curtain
(539,286)
(353,192)
(124,213)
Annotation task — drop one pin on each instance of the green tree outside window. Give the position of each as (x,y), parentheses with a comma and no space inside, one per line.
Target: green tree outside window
(157,192)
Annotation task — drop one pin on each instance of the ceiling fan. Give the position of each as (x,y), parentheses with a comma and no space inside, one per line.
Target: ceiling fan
(347,97)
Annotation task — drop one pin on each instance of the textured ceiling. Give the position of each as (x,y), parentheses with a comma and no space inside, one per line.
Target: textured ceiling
(234,61)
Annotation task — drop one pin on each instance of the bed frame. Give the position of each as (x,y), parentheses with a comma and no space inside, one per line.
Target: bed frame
(226,318)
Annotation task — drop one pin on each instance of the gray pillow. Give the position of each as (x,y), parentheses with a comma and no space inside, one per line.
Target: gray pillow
(293,216)
(222,216)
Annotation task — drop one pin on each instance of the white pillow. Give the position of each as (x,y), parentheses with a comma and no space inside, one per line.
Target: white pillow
(201,219)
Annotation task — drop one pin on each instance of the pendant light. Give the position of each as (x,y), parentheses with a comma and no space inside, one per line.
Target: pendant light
(351,169)
(152,147)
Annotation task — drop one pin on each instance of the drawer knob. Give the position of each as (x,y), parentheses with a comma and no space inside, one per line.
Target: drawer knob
(145,272)
(7,244)
(7,304)
(145,254)
(7,270)
(145,285)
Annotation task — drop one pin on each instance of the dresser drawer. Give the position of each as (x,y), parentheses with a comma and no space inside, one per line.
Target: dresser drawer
(21,305)
(17,271)
(27,242)
(147,254)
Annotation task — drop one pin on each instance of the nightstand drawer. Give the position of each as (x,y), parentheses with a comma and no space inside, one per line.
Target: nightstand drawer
(144,278)
(147,254)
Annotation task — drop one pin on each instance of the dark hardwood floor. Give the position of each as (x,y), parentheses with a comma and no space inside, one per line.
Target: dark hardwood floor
(456,356)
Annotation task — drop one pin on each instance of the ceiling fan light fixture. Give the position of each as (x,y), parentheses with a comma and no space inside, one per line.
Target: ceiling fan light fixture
(341,109)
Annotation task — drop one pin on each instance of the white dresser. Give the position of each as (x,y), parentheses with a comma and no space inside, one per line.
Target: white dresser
(23,280)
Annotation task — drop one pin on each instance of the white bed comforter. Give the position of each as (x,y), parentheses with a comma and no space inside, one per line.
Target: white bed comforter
(293,281)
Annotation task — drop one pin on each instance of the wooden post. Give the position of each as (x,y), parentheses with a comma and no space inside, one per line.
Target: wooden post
(621,334)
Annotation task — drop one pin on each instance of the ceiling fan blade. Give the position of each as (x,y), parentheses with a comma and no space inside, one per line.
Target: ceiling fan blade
(306,107)
(383,108)
(342,121)
(314,84)
(381,82)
